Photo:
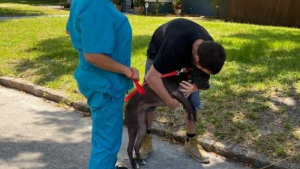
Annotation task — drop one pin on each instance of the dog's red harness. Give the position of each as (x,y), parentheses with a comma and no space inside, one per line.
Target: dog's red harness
(140,89)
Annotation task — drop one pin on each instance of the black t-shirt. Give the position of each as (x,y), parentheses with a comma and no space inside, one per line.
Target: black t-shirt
(171,44)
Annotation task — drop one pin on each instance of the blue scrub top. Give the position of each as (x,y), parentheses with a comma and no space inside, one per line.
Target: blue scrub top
(96,26)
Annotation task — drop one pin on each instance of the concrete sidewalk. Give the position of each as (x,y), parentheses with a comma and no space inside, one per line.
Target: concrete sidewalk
(36,133)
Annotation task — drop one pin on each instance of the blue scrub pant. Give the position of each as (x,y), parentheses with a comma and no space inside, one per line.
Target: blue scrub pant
(107,128)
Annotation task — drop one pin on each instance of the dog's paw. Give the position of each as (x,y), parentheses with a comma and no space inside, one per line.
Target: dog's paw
(142,162)
(136,166)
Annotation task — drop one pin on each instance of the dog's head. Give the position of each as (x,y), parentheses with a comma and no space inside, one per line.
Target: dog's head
(200,78)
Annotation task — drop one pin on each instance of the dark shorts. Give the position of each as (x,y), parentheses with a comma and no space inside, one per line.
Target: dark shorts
(193,98)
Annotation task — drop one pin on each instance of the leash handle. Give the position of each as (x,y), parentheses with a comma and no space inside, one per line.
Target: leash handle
(139,87)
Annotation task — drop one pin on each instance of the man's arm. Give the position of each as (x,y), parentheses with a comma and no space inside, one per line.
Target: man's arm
(155,82)
(104,62)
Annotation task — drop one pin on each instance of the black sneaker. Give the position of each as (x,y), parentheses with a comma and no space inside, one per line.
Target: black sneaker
(121,167)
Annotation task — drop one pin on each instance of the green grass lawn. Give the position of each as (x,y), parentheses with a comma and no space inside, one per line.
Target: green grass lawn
(253,101)
(30,8)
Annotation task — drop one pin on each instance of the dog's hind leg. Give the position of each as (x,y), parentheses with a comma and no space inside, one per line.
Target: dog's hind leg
(142,129)
(132,133)
(131,121)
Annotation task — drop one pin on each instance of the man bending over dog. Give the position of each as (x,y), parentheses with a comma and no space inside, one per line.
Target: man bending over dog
(178,44)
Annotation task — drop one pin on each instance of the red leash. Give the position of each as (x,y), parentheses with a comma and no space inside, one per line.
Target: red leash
(140,88)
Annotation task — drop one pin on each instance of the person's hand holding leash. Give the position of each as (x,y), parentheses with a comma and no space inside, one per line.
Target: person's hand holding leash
(187,88)
(133,73)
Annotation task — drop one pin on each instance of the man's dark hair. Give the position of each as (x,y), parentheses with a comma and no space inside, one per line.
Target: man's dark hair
(211,56)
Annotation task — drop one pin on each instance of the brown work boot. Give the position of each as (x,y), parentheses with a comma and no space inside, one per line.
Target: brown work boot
(146,147)
(194,149)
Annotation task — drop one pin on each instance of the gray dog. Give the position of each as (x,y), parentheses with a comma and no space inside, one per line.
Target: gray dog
(135,113)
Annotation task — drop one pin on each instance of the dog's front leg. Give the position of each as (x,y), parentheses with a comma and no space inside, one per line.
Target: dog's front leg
(186,104)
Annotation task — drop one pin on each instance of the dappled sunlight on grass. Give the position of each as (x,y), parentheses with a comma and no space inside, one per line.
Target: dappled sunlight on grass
(263,64)
(297,133)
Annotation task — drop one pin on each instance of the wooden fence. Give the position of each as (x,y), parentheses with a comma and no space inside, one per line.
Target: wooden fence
(265,12)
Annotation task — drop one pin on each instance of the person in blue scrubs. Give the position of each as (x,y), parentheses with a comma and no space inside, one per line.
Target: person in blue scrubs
(102,36)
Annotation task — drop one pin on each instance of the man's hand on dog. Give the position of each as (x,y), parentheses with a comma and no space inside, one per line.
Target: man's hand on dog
(133,73)
(187,88)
